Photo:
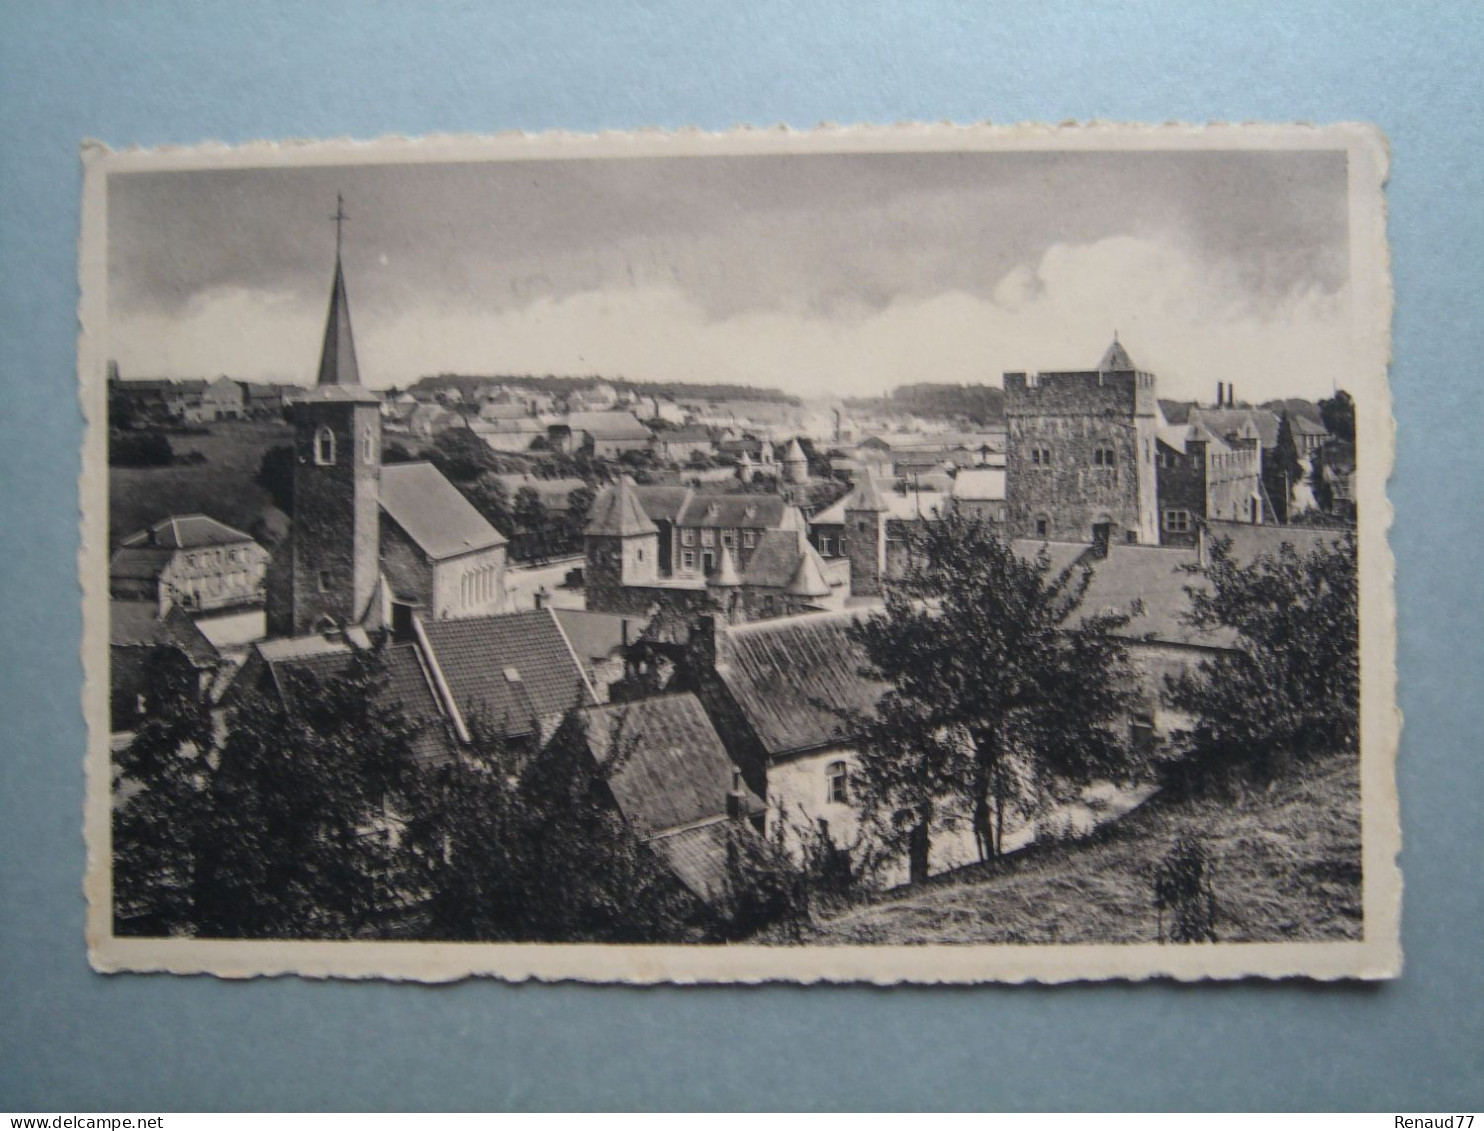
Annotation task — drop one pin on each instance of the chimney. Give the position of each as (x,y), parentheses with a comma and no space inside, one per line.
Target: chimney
(737,797)
(1220,392)
(1102,535)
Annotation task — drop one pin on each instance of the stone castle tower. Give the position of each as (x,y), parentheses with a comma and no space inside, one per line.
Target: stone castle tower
(795,463)
(622,548)
(865,538)
(1080,453)
(337,473)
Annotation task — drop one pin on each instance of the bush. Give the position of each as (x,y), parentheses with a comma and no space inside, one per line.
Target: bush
(1184,896)
(146,449)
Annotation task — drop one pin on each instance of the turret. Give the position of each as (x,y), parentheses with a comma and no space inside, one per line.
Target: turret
(795,463)
(865,538)
(621,544)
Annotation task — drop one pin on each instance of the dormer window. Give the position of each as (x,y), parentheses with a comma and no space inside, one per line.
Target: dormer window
(324,447)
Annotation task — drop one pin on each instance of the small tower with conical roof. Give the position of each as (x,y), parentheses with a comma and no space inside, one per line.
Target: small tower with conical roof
(865,538)
(335,543)
(795,463)
(725,586)
(621,546)
(808,586)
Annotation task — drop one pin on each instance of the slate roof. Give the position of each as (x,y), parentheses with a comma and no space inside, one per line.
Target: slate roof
(337,362)
(698,856)
(775,561)
(607,425)
(662,502)
(1250,542)
(725,574)
(1060,554)
(1228,421)
(187,532)
(980,484)
(513,669)
(785,674)
(138,563)
(690,434)
(808,579)
(794,452)
(717,510)
(408,689)
(1150,583)
(908,507)
(433,514)
(1116,359)
(1301,425)
(672,769)
(616,512)
(137,624)
(594,635)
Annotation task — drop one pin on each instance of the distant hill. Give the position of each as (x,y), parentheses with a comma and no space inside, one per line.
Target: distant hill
(981,404)
(673,390)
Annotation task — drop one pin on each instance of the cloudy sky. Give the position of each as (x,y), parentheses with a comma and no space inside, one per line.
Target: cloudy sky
(816,274)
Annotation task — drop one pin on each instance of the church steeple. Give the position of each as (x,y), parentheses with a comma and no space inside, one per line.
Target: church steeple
(337,362)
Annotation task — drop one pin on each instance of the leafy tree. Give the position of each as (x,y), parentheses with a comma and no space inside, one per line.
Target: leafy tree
(396,452)
(1282,469)
(579,507)
(276,476)
(461,455)
(1183,890)
(161,779)
(1001,692)
(490,498)
(301,834)
(1338,414)
(530,512)
(1290,684)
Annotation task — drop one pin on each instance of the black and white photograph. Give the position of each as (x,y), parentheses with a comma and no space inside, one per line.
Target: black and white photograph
(927,554)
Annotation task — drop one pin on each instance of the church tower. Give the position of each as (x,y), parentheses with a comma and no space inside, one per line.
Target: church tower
(337,477)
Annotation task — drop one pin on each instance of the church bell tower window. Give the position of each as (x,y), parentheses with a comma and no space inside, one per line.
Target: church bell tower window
(324,447)
(368,446)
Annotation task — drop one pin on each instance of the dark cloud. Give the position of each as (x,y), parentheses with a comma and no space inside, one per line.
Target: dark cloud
(822,236)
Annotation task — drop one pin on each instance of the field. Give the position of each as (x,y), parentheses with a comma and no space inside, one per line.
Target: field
(222,487)
(1286,864)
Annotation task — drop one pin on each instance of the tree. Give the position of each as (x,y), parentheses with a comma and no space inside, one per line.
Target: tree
(491,499)
(1290,683)
(1183,890)
(1338,414)
(530,512)
(394,451)
(276,476)
(300,838)
(121,411)
(1282,470)
(1001,692)
(161,779)
(461,455)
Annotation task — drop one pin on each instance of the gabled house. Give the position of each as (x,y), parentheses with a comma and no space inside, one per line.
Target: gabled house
(669,775)
(215,574)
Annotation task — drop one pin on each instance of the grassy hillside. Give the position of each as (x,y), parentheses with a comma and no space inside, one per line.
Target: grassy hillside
(1287,867)
(222,487)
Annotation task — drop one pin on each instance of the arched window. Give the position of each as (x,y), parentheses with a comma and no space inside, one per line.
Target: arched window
(837,775)
(324,447)
(368,445)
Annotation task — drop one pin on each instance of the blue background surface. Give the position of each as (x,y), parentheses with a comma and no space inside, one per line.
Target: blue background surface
(181,73)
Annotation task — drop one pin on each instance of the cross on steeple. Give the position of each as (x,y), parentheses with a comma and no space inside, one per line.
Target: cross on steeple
(340,218)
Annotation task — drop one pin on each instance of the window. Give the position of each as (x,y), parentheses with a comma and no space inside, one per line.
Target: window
(825,544)
(368,445)
(325,581)
(1043,526)
(1177,521)
(1103,456)
(708,537)
(729,539)
(1040,457)
(688,538)
(324,447)
(837,776)
(687,559)
(639,553)
(749,538)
